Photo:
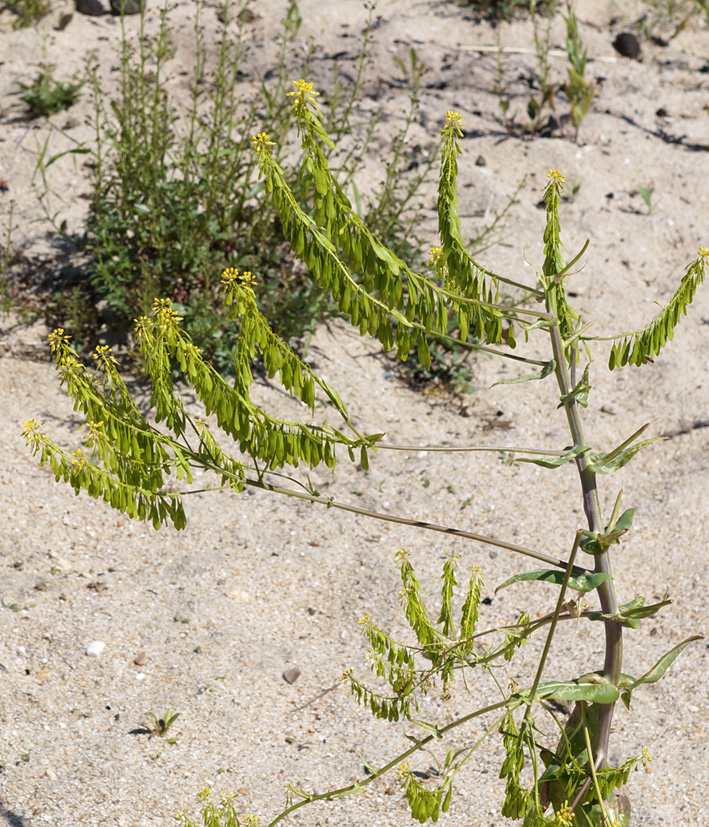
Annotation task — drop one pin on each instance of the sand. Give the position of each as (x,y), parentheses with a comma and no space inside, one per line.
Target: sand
(206,621)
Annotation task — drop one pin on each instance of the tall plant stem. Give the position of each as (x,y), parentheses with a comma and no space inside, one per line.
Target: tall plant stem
(456,532)
(606,591)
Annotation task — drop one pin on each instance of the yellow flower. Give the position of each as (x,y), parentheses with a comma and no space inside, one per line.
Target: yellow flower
(94,433)
(556,177)
(646,757)
(31,432)
(143,327)
(78,458)
(454,119)
(404,772)
(304,93)
(704,252)
(203,794)
(166,316)
(261,143)
(250,820)
(103,355)
(565,816)
(232,278)
(435,254)
(57,340)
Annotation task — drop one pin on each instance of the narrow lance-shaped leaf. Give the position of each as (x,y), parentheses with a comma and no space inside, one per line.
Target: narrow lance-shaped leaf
(659,669)
(579,582)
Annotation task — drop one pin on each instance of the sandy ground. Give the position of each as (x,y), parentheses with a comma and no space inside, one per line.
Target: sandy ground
(256,585)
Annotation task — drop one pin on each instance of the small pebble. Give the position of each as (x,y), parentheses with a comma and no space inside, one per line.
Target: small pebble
(140,659)
(627,45)
(291,674)
(480,161)
(95,648)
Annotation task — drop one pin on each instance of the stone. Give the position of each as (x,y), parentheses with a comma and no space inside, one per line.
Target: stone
(92,8)
(140,659)
(291,674)
(119,7)
(627,45)
(95,648)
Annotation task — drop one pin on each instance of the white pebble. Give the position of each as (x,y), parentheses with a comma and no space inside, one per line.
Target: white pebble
(95,648)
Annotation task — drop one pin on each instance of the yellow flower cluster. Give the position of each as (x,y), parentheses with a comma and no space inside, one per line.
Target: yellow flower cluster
(404,772)
(304,93)
(104,356)
(164,313)
(565,816)
(454,119)
(78,458)
(261,143)
(57,340)
(231,277)
(704,252)
(95,434)
(31,431)
(556,177)
(436,253)
(144,326)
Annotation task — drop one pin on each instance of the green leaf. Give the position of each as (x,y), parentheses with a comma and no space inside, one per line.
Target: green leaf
(657,671)
(605,464)
(554,462)
(632,613)
(548,368)
(596,544)
(592,688)
(579,582)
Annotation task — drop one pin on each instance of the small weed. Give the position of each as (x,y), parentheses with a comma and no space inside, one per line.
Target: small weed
(160,726)
(46,96)
(578,90)
(7,256)
(26,12)
(504,9)
(547,88)
(646,195)
(671,16)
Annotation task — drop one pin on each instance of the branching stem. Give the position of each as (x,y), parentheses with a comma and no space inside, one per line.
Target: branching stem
(606,590)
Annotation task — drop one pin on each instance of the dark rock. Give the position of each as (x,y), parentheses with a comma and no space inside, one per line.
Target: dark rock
(119,7)
(64,20)
(291,674)
(627,45)
(140,659)
(480,161)
(92,8)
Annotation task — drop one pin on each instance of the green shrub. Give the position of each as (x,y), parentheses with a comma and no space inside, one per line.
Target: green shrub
(175,200)
(46,96)
(27,11)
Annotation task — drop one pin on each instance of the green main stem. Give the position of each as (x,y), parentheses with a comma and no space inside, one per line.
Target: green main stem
(606,591)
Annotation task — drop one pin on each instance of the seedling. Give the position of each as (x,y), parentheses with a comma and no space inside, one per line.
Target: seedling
(46,96)
(160,726)
(646,194)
